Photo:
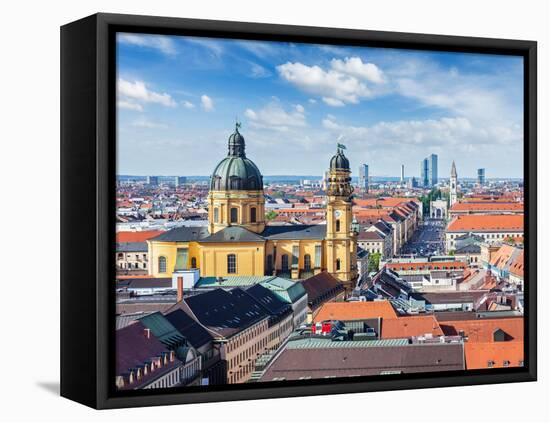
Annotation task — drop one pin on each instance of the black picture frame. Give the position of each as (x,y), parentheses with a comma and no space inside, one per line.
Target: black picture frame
(88,180)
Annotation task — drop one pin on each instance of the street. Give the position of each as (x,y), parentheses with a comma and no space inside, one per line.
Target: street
(427,240)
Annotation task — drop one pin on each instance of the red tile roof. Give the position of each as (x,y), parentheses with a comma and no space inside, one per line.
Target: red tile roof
(409,326)
(140,236)
(482,330)
(356,311)
(517,266)
(483,355)
(486,206)
(487,222)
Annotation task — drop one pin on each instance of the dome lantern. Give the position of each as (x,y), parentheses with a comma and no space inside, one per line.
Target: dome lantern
(236,171)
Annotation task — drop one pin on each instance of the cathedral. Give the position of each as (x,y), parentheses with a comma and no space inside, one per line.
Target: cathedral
(237,240)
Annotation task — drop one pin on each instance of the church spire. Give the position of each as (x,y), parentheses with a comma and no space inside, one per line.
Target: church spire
(453,170)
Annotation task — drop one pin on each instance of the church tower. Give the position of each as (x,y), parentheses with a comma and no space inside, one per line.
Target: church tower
(236,196)
(341,238)
(453,186)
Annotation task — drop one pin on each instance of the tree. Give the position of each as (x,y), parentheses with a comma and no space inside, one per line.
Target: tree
(270,215)
(452,252)
(374,262)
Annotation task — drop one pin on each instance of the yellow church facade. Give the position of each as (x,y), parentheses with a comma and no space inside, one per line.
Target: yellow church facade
(237,240)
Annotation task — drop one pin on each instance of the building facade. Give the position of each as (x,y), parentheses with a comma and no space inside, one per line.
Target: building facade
(237,241)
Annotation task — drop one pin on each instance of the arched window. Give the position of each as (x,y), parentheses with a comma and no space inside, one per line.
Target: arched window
(216,215)
(162,264)
(120,256)
(234,214)
(337,264)
(253,215)
(337,225)
(193,262)
(284,262)
(307,262)
(269,265)
(231,263)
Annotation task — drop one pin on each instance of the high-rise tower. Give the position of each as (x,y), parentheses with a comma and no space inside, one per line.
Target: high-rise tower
(364,178)
(341,237)
(453,185)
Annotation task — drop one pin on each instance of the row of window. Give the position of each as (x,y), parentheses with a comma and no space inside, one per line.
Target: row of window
(234,215)
(120,256)
(132,266)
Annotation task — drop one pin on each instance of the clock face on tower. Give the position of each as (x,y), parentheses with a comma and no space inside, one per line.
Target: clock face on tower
(337,214)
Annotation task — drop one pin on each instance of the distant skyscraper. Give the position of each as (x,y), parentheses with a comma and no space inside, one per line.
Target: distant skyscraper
(364,178)
(413,182)
(402,173)
(428,171)
(180,180)
(432,170)
(424,173)
(453,185)
(152,180)
(481,176)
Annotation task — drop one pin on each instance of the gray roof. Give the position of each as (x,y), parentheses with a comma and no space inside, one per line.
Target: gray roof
(322,359)
(240,234)
(469,249)
(234,234)
(183,234)
(295,232)
(131,247)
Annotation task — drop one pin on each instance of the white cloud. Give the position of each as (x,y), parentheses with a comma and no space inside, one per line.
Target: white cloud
(215,47)
(158,42)
(258,71)
(207,103)
(138,91)
(188,104)
(144,123)
(312,101)
(354,66)
(447,133)
(345,82)
(274,116)
(129,105)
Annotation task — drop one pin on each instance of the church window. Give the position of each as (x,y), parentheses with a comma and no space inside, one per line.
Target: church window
(338,226)
(162,264)
(253,215)
(234,215)
(337,264)
(284,262)
(216,215)
(193,262)
(231,263)
(307,262)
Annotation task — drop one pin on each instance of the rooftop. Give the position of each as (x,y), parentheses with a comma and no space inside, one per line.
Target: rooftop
(486,223)
(359,310)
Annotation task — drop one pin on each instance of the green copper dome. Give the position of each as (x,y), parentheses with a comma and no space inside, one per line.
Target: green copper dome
(236,171)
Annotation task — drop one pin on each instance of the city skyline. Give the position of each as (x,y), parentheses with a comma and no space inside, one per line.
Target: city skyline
(179,97)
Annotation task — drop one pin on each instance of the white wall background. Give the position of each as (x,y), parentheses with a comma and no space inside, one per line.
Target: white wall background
(29,207)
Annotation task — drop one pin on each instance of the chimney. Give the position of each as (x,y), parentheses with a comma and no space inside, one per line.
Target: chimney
(147,333)
(179,298)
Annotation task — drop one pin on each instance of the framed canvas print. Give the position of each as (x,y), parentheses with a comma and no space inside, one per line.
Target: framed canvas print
(254,211)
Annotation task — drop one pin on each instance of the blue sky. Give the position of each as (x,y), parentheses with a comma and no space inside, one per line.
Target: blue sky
(178,99)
